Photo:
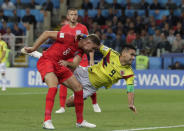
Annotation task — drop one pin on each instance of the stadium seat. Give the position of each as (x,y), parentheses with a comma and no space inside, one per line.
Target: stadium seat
(179,59)
(14,1)
(178,2)
(160,14)
(135,1)
(149,1)
(167,61)
(81,13)
(105,13)
(155,63)
(26,1)
(38,15)
(177,12)
(8,13)
(22,27)
(21,12)
(1,25)
(109,1)
(92,13)
(95,3)
(40,2)
(10,24)
(56,3)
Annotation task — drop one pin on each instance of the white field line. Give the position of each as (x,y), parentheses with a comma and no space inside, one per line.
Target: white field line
(150,128)
(23,93)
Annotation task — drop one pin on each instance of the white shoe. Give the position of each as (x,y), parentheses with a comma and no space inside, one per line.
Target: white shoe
(3,89)
(85,124)
(61,110)
(35,54)
(48,125)
(96,108)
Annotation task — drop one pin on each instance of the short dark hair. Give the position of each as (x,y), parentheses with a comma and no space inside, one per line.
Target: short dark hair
(127,47)
(71,8)
(94,38)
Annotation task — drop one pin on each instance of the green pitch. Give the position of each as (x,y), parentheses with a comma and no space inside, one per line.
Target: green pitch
(23,110)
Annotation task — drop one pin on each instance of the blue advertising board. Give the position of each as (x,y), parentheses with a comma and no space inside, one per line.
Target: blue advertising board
(144,79)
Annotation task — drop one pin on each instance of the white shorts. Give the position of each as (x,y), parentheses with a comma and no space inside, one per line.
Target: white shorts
(2,67)
(81,73)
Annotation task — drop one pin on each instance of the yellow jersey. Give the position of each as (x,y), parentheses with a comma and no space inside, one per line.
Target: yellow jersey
(109,70)
(3,47)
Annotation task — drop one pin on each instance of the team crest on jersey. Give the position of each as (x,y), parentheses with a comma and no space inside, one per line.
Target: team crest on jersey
(78,32)
(122,73)
(61,35)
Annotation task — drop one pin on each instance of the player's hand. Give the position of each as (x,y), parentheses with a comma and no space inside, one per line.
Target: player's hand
(29,49)
(63,63)
(133,108)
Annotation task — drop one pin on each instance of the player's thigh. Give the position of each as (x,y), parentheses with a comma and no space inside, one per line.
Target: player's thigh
(73,83)
(51,79)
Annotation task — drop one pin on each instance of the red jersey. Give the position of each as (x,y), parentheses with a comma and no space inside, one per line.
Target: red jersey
(78,29)
(65,47)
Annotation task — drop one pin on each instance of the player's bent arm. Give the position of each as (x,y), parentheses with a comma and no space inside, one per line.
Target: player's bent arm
(43,37)
(130,92)
(72,65)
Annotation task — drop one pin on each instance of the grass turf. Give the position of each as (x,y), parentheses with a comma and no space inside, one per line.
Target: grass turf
(22,109)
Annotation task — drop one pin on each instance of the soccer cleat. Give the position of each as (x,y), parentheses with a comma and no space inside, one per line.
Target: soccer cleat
(35,54)
(61,110)
(48,125)
(85,124)
(3,89)
(96,108)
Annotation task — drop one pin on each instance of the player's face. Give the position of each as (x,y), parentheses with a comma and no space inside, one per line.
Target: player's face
(129,56)
(72,16)
(89,46)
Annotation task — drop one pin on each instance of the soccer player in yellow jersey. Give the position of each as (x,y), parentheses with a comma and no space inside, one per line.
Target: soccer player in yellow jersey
(3,49)
(109,70)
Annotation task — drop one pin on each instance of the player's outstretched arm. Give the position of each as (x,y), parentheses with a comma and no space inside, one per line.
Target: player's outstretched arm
(130,92)
(41,39)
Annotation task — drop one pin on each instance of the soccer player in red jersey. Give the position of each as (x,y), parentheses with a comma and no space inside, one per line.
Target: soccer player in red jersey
(75,28)
(66,46)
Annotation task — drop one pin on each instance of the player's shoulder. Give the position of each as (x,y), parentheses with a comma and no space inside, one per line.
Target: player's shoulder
(81,25)
(64,27)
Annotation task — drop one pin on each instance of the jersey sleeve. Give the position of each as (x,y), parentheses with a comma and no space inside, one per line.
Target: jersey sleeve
(85,30)
(130,78)
(65,37)
(104,50)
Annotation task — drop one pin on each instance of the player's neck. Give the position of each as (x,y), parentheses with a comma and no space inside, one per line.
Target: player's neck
(122,62)
(73,25)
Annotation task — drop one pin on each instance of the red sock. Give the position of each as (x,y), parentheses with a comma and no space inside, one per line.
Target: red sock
(93,98)
(79,103)
(50,102)
(62,95)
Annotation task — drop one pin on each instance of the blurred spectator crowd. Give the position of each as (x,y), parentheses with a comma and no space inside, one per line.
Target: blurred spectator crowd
(156,26)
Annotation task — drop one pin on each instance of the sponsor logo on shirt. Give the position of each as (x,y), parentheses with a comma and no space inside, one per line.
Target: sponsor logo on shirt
(78,32)
(67,51)
(61,35)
